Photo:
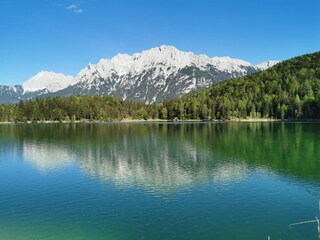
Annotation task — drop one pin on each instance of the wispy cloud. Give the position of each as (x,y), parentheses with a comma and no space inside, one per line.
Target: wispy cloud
(74,8)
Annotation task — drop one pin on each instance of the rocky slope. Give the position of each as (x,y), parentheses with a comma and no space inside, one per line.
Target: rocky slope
(150,76)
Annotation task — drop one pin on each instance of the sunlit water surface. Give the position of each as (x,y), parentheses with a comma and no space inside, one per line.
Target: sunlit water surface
(159,181)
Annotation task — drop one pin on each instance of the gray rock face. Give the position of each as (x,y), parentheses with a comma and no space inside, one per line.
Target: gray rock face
(150,76)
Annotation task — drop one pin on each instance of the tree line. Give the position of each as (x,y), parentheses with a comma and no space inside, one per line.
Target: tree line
(74,108)
(289,90)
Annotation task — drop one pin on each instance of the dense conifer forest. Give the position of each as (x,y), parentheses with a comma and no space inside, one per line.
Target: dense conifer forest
(289,90)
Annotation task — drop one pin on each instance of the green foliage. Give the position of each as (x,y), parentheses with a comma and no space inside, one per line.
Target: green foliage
(289,90)
(164,113)
(141,113)
(75,108)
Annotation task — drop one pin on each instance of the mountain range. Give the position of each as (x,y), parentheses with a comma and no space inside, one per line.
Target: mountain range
(150,76)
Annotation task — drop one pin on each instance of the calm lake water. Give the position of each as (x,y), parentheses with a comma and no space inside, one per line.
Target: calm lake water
(159,181)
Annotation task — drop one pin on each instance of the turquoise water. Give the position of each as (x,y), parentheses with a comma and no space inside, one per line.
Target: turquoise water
(159,181)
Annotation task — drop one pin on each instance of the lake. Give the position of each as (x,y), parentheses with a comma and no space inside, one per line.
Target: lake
(159,181)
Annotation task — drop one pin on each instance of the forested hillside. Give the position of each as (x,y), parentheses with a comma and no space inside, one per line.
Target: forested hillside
(74,108)
(289,90)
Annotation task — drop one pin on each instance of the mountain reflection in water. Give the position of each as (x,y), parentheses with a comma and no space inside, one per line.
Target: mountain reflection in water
(164,157)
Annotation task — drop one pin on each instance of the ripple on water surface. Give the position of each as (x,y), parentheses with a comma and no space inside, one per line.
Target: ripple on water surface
(159,181)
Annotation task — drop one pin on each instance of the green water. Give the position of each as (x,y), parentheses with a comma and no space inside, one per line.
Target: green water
(159,181)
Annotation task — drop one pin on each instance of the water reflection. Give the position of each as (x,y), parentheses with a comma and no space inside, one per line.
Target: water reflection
(166,157)
(47,157)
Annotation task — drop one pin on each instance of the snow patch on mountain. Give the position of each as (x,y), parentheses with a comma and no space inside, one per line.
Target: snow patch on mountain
(50,81)
(157,74)
(267,64)
(166,60)
(153,75)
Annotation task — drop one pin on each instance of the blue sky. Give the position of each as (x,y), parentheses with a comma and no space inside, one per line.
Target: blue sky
(64,36)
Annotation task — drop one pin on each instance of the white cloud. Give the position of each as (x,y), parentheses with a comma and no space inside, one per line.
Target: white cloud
(74,8)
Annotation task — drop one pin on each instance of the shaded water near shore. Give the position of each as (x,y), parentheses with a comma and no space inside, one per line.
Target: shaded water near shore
(159,181)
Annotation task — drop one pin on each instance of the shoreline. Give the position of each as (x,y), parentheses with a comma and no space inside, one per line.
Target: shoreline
(256,120)
(130,120)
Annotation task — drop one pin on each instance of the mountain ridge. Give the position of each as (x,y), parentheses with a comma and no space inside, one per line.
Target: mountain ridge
(288,90)
(150,76)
